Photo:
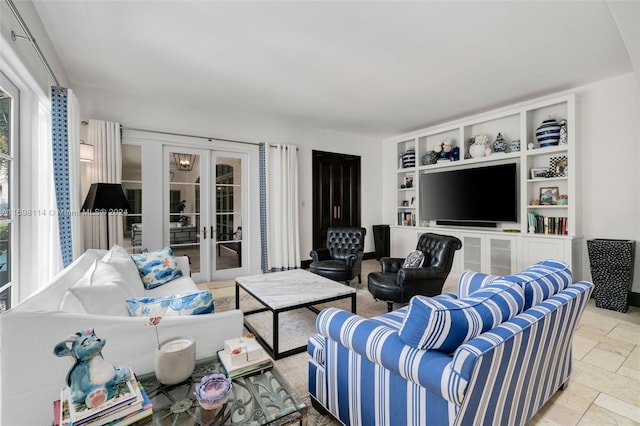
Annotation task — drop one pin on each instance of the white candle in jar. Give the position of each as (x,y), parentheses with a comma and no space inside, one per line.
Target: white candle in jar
(175,345)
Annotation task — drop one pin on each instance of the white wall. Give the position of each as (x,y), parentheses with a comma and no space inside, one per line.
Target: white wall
(610,162)
(161,114)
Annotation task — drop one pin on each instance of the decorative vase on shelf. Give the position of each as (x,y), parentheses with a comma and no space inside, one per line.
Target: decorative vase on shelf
(429,158)
(175,360)
(499,145)
(477,149)
(514,146)
(455,153)
(409,158)
(548,134)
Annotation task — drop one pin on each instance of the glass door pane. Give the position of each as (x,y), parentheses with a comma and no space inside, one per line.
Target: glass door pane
(132,186)
(184,196)
(228,212)
(8,128)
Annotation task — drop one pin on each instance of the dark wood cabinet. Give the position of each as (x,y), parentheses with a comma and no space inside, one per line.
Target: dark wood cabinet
(336,193)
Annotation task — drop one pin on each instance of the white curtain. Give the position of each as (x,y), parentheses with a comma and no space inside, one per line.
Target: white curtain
(39,233)
(283,230)
(106,167)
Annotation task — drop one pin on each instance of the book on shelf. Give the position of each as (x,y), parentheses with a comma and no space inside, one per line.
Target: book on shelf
(130,400)
(547,225)
(406,219)
(242,356)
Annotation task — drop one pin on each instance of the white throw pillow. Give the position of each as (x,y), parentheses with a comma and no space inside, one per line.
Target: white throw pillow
(100,274)
(414,259)
(106,299)
(120,258)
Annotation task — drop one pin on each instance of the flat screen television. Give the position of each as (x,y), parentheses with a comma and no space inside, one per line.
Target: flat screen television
(478,196)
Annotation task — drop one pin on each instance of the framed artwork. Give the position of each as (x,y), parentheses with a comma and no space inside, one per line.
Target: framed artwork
(558,166)
(408,182)
(548,195)
(539,173)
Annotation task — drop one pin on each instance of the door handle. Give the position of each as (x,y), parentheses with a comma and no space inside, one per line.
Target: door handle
(212,231)
(204,233)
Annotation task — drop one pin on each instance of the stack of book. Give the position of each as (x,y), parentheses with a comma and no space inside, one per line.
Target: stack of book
(130,404)
(547,225)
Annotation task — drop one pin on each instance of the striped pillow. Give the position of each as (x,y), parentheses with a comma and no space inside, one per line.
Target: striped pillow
(444,323)
(471,281)
(542,280)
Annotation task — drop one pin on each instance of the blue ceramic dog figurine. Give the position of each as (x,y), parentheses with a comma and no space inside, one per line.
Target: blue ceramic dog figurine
(92,380)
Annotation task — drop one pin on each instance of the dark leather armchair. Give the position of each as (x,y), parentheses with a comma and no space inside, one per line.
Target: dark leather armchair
(399,285)
(341,260)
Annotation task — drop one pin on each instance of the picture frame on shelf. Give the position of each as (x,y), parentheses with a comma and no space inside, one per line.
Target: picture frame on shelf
(539,173)
(559,166)
(408,182)
(549,195)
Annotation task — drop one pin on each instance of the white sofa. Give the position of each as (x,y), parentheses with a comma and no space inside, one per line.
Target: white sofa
(31,376)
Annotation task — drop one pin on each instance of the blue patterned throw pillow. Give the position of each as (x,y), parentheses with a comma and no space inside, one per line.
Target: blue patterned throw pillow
(196,303)
(157,267)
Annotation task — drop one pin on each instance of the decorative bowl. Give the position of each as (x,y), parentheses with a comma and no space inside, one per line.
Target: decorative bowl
(213,391)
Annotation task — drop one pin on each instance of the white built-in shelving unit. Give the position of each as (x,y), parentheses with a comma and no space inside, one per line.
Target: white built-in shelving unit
(509,246)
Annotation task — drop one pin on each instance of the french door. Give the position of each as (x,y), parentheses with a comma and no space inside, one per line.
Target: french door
(205,209)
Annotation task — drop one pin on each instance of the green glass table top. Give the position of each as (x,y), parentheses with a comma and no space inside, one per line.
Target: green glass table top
(260,399)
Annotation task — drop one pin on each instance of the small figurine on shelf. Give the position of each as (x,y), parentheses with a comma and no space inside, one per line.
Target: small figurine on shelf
(563,132)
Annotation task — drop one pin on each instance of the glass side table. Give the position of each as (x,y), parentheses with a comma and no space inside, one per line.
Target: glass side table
(265,398)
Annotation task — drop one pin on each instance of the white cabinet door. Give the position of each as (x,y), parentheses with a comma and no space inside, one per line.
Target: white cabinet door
(473,252)
(535,249)
(494,254)
(501,255)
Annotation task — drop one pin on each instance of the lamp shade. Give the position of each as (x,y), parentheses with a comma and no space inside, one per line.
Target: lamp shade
(107,197)
(86,152)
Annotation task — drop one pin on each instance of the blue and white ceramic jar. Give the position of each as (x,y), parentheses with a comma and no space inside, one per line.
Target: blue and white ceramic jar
(499,145)
(548,133)
(514,146)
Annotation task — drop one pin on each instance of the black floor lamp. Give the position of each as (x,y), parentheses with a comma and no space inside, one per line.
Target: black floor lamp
(106,198)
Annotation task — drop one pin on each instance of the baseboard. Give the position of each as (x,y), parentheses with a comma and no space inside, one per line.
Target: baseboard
(370,255)
(634,299)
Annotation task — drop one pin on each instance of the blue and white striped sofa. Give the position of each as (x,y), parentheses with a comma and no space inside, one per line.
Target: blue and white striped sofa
(514,352)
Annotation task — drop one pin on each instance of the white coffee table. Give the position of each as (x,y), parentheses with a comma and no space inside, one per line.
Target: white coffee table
(285,291)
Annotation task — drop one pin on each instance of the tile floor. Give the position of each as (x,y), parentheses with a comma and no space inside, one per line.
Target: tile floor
(604,388)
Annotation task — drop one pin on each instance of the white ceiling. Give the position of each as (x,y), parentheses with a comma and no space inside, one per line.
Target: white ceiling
(371,68)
